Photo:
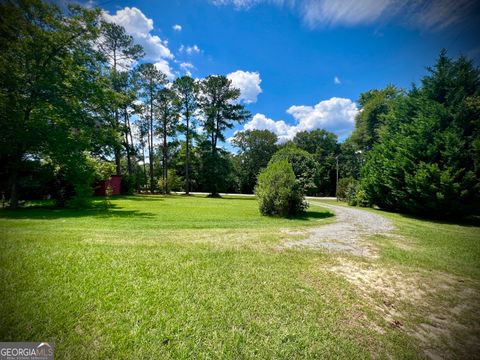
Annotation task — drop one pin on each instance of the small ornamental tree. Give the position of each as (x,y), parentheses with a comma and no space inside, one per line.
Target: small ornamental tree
(278,191)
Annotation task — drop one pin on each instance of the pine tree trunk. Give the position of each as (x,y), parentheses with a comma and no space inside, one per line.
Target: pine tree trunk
(187,160)
(165,157)
(150,155)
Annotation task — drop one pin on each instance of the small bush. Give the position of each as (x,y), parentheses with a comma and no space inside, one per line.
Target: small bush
(362,198)
(356,195)
(351,193)
(278,191)
(82,198)
(342,187)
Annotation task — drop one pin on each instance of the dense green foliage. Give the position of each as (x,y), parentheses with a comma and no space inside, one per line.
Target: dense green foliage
(374,104)
(220,111)
(70,91)
(426,158)
(304,167)
(278,191)
(51,94)
(256,149)
(324,148)
(75,95)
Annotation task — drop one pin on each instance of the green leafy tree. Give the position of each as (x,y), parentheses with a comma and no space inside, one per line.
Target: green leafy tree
(323,145)
(256,149)
(186,90)
(304,167)
(52,93)
(221,166)
(120,52)
(278,191)
(178,161)
(426,160)
(150,81)
(220,111)
(167,110)
(374,105)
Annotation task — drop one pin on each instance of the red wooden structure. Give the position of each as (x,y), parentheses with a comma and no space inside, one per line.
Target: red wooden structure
(115,182)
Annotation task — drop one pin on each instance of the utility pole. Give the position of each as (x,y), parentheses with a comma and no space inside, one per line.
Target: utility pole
(336,183)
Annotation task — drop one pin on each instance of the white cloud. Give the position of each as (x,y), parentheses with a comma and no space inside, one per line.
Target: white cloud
(336,80)
(177,27)
(336,115)
(187,67)
(194,49)
(164,67)
(140,28)
(279,127)
(425,14)
(248,83)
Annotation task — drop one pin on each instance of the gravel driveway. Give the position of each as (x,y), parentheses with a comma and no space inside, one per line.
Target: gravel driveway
(348,233)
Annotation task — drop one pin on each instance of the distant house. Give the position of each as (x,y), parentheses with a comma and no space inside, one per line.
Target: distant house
(115,182)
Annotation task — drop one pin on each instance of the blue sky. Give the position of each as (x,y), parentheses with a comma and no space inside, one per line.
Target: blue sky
(301,64)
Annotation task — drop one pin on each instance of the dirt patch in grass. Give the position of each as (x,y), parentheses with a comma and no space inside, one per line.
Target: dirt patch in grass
(440,311)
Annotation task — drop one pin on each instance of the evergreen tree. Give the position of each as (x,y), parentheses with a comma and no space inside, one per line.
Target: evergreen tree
(220,111)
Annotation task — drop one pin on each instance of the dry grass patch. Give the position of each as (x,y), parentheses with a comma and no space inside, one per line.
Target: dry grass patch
(440,310)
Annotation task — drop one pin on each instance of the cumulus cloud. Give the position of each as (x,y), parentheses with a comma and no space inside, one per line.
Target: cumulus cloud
(425,14)
(194,49)
(187,67)
(140,28)
(177,27)
(336,80)
(336,115)
(248,83)
(164,67)
(279,127)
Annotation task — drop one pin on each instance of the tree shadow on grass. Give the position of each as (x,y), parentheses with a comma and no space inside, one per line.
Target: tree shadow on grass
(52,213)
(312,214)
(469,221)
(137,197)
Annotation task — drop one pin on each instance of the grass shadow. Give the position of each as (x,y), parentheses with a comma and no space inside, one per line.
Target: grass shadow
(470,221)
(137,197)
(53,213)
(311,214)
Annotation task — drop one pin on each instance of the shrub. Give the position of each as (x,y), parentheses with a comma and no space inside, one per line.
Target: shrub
(278,191)
(356,195)
(342,187)
(361,198)
(351,193)
(83,196)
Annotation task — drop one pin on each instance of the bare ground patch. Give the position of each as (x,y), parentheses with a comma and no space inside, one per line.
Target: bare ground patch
(440,311)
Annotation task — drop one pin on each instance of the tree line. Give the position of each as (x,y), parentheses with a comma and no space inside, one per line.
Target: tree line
(79,104)
(72,101)
(413,151)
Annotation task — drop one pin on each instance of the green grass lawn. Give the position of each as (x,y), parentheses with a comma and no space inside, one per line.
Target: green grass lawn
(193,277)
